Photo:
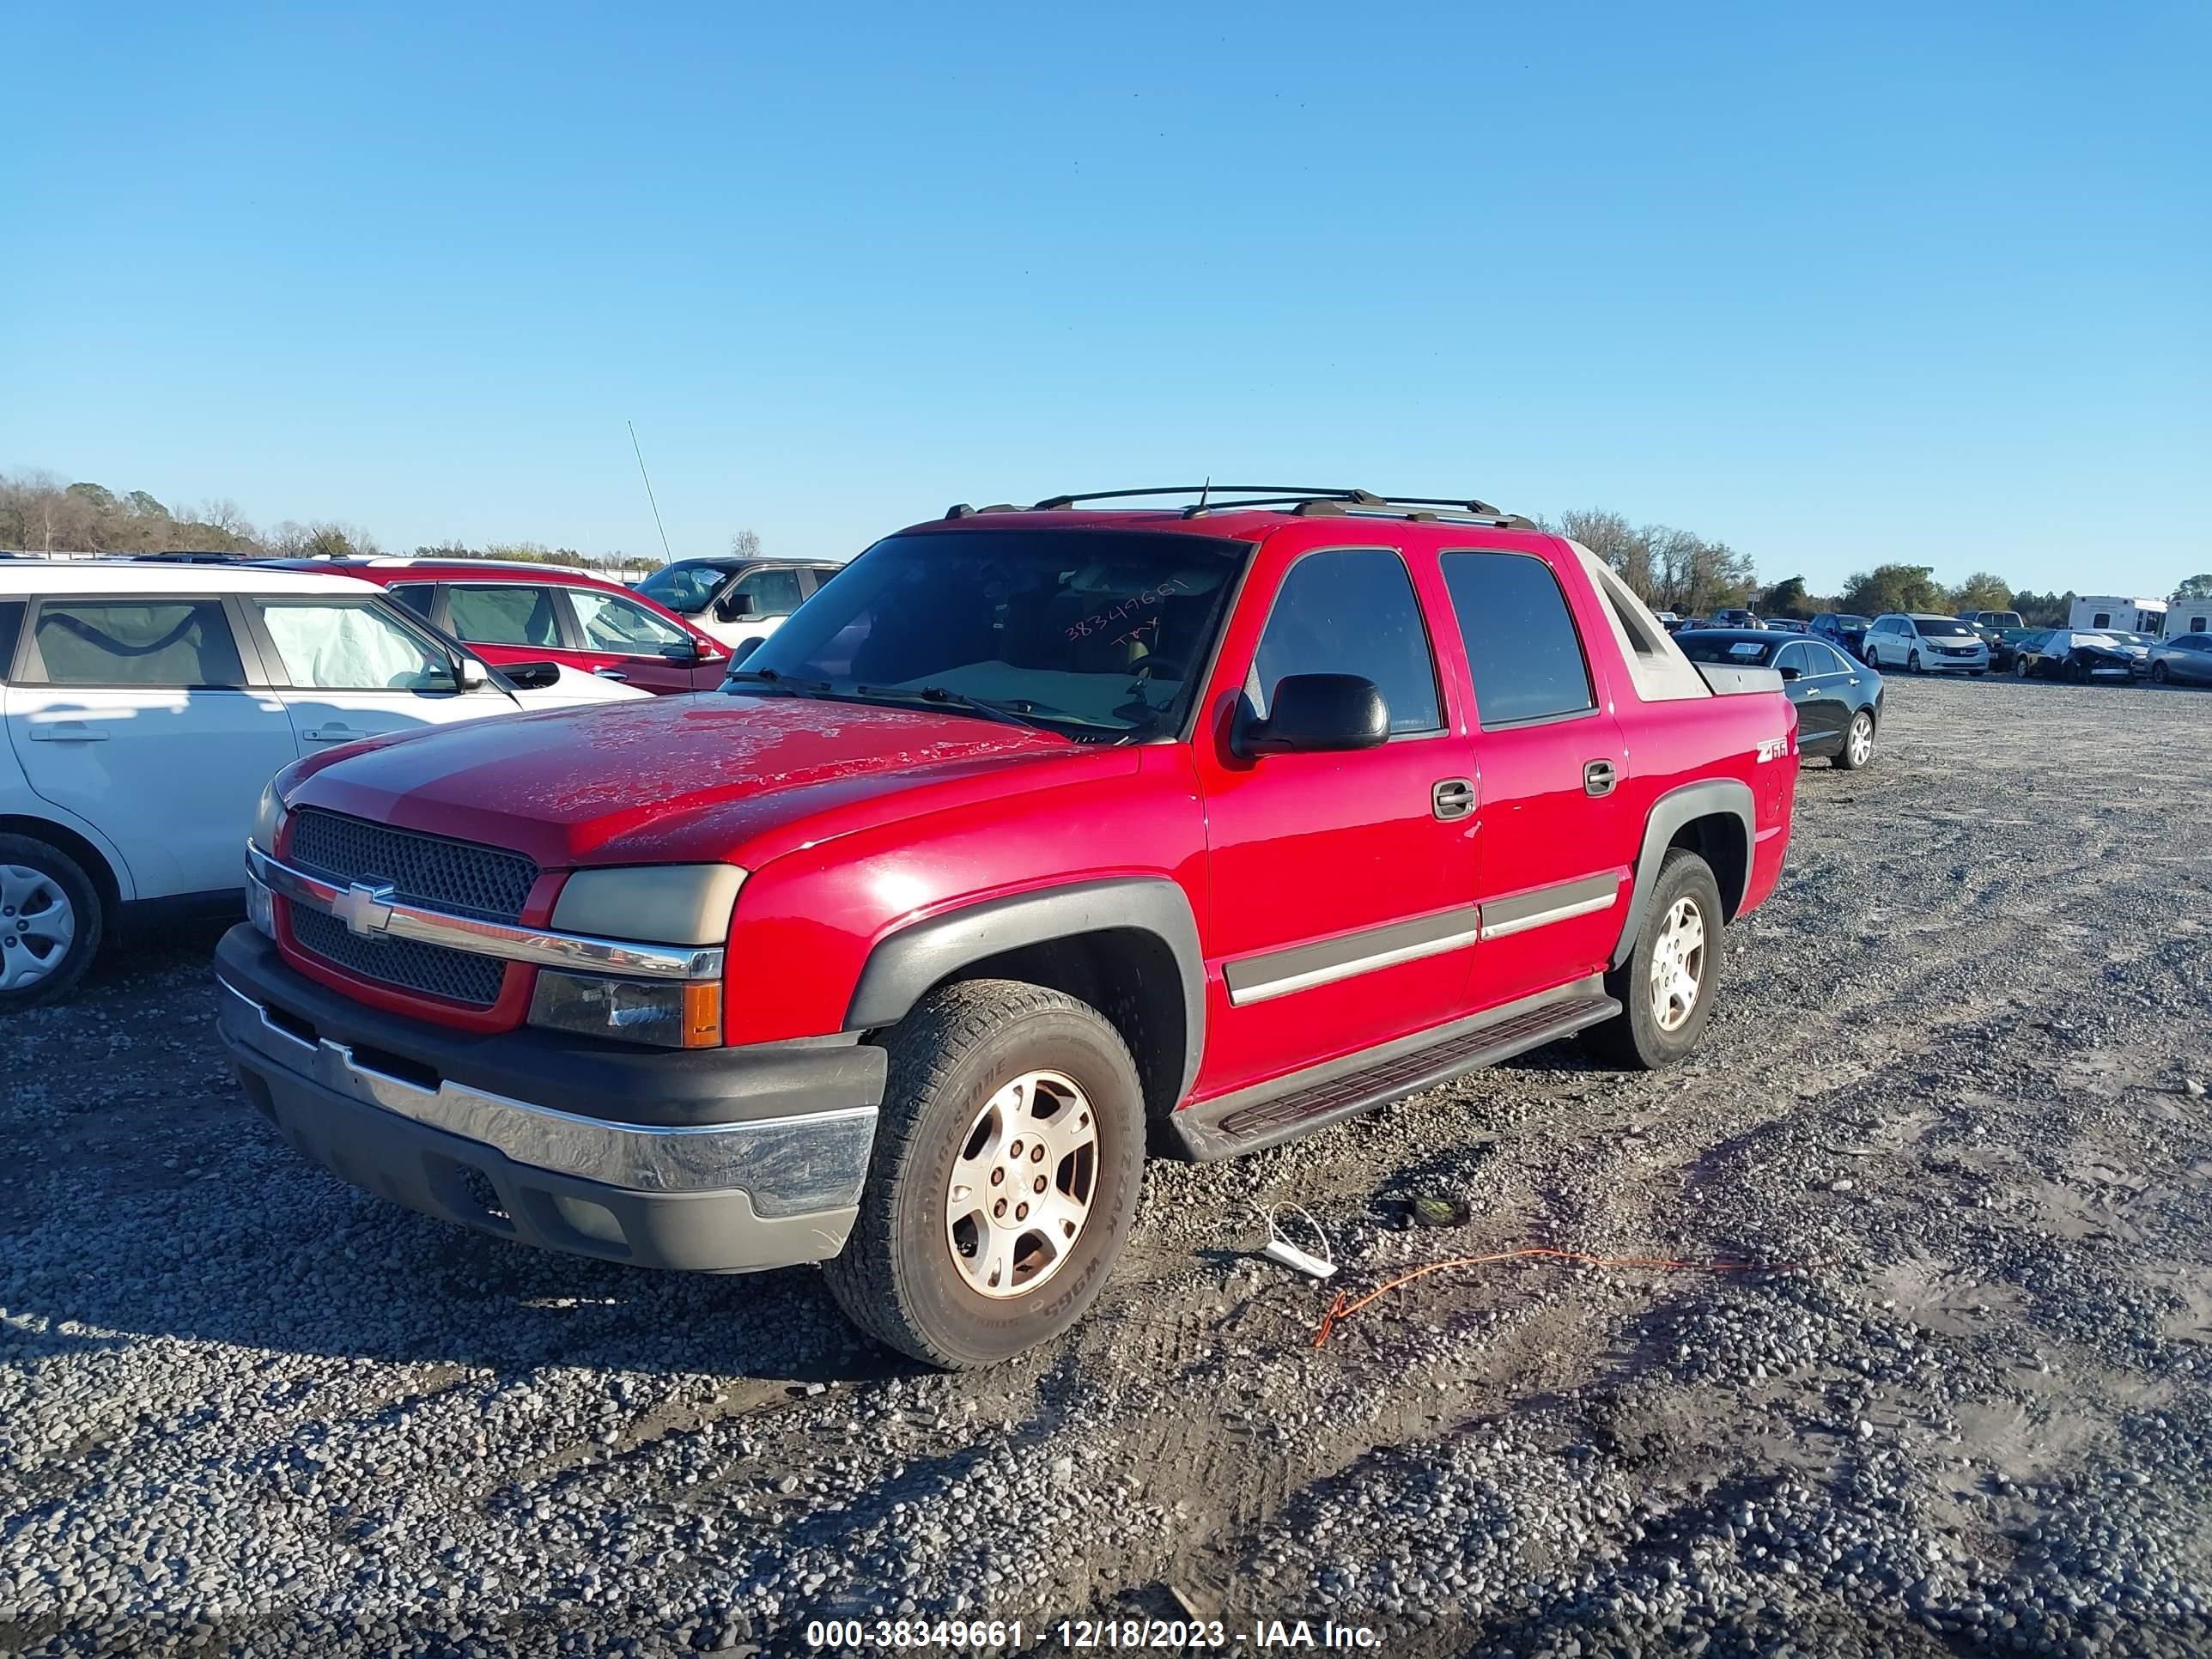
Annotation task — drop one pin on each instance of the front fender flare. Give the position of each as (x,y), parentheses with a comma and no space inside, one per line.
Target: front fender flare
(901,968)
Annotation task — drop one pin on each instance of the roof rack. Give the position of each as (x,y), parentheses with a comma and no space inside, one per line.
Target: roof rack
(1308,502)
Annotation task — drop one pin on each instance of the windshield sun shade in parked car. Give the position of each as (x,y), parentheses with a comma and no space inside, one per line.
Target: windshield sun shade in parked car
(1728,648)
(1096,631)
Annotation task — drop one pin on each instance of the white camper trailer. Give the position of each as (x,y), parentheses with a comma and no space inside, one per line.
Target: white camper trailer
(2188,617)
(2104,610)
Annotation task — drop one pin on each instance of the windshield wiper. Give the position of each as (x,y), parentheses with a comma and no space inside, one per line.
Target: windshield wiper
(1006,714)
(780,683)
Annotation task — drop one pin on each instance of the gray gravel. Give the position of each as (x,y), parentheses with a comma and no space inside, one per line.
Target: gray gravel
(245,1408)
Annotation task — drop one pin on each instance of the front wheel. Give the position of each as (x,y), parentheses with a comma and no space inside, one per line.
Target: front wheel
(1666,987)
(1858,743)
(2157,673)
(1913,663)
(1008,1161)
(2022,667)
(49,923)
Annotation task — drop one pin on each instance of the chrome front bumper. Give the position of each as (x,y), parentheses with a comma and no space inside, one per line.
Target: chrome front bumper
(721,1197)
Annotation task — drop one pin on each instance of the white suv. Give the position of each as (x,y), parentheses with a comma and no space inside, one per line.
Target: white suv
(1924,643)
(146,704)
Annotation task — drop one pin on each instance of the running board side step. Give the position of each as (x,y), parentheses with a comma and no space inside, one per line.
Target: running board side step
(1269,1113)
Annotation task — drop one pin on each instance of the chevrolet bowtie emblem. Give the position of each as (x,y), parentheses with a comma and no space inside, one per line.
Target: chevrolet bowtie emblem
(365,910)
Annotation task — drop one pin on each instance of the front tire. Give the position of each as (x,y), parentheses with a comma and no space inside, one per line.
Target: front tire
(1667,986)
(49,923)
(2023,668)
(1913,663)
(1002,1097)
(2157,673)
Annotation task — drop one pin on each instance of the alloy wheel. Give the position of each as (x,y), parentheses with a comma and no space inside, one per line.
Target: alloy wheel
(1677,962)
(1861,739)
(37,925)
(1020,1190)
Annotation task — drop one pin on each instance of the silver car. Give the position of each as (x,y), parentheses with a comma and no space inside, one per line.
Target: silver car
(1921,643)
(2185,659)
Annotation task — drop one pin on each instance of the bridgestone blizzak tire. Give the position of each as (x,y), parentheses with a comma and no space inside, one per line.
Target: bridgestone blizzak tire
(896,1278)
(1634,1038)
(26,852)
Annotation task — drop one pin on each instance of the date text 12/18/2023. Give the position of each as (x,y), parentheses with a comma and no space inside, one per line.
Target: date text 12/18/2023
(1086,1635)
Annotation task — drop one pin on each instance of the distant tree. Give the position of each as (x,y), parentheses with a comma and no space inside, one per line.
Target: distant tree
(96,496)
(454,549)
(328,541)
(1893,588)
(1982,591)
(2042,610)
(2198,587)
(1786,598)
(746,544)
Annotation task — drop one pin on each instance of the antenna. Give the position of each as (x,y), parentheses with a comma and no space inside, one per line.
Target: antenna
(642,473)
(1204,490)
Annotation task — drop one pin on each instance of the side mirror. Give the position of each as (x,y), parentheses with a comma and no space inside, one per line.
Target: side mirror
(472,674)
(744,648)
(1315,713)
(731,607)
(686,651)
(1787,673)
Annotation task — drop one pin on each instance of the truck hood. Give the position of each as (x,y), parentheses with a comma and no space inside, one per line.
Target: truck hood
(668,779)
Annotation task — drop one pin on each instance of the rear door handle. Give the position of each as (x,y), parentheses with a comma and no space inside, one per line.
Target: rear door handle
(332,734)
(1451,797)
(1599,777)
(611,673)
(67,732)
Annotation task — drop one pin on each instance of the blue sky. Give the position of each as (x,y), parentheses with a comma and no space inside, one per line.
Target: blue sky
(1838,285)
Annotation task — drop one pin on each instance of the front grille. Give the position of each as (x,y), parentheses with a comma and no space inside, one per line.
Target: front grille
(459,876)
(429,970)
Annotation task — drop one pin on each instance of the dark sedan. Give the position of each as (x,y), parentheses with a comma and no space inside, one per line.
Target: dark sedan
(1841,629)
(2073,654)
(1838,700)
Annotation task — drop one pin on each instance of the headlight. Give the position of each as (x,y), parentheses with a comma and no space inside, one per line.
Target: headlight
(668,1013)
(267,818)
(654,903)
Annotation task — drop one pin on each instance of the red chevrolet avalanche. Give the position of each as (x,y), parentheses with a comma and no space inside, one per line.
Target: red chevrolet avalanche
(515,612)
(1038,831)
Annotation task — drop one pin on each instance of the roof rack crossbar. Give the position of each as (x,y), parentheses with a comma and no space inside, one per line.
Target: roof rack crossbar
(1282,492)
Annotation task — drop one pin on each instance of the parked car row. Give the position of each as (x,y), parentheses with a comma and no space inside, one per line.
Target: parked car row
(1838,700)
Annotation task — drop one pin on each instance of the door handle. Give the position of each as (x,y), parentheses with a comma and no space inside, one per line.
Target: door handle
(1451,797)
(611,673)
(332,734)
(67,732)
(1599,777)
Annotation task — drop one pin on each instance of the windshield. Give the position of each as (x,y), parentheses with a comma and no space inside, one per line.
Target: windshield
(1941,627)
(1724,647)
(685,589)
(1095,631)
(2136,639)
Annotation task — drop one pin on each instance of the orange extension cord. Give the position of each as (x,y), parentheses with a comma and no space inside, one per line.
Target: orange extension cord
(1343,1307)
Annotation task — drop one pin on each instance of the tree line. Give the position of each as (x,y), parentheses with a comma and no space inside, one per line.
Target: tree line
(40,514)
(1681,571)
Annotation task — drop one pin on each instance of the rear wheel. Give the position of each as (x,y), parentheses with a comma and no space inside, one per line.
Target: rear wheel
(1666,987)
(1008,1161)
(49,922)
(1858,742)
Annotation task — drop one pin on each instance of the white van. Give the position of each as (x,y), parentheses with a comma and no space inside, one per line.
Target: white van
(2188,616)
(147,703)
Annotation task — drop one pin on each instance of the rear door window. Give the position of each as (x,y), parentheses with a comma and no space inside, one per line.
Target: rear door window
(1351,612)
(178,643)
(1522,646)
(1792,655)
(503,613)
(11,629)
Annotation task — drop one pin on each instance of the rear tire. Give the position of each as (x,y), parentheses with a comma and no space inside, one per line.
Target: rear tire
(965,1070)
(49,923)
(1654,1030)
(1858,743)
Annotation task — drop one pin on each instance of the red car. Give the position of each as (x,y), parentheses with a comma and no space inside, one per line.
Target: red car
(513,612)
(1038,834)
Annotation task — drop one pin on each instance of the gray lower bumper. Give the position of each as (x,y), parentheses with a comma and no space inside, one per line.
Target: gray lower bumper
(716,1198)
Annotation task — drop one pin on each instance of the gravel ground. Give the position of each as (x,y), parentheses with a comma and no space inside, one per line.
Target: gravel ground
(1957,1072)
